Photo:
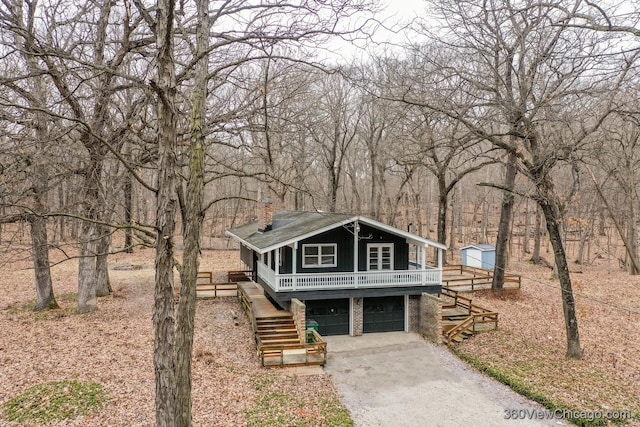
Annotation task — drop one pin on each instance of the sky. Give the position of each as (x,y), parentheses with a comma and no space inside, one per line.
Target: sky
(385,36)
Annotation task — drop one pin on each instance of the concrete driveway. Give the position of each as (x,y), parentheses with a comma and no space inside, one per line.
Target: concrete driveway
(397,379)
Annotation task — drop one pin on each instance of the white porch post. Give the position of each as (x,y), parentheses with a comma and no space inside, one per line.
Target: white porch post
(356,231)
(440,252)
(277,268)
(294,267)
(423,260)
(269,268)
(260,263)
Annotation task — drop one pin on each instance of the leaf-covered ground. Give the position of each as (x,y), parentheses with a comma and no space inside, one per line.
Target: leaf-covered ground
(114,347)
(529,347)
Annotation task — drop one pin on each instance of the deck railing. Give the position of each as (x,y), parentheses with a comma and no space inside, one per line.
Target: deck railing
(478,318)
(312,352)
(474,277)
(349,280)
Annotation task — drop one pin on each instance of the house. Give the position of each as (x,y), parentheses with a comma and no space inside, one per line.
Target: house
(353,274)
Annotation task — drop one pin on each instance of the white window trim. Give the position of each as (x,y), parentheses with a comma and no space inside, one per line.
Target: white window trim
(380,245)
(318,263)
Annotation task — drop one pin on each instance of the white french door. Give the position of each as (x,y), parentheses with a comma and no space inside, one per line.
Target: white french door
(379,256)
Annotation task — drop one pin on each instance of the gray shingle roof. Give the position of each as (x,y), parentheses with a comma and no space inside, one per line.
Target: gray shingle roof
(288,226)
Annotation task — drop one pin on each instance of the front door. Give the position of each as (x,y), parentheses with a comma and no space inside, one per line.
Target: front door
(379,256)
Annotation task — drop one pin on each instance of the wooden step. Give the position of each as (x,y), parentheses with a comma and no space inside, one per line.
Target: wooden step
(280,341)
(266,321)
(280,326)
(290,334)
(274,322)
(278,331)
(275,325)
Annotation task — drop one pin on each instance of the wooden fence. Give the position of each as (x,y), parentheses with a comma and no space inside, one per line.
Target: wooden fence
(474,278)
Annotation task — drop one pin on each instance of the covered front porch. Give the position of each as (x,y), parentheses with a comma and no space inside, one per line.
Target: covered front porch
(429,276)
(416,274)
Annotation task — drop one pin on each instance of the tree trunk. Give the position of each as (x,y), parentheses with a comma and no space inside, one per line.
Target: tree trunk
(584,236)
(484,226)
(333,189)
(87,273)
(40,184)
(103,283)
(602,224)
(374,209)
(630,246)
(188,276)
(443,200)
(452,229)
(166,205)
(502,241)
(45,299)
(87,265)
(459,220)
(548,201)
(192,226)
(537,238)
(527,228)
(632,253)
(128,201)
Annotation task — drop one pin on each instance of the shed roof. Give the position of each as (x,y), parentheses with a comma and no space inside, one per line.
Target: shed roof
(483,247)
(291,226)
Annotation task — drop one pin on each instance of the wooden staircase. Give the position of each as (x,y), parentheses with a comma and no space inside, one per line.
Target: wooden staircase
(277,330)
(277,338)
(461,319)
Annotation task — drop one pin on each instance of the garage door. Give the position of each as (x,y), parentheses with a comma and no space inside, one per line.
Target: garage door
(332,315)
(383,314)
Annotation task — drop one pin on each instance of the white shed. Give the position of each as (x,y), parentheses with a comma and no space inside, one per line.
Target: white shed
(479,255)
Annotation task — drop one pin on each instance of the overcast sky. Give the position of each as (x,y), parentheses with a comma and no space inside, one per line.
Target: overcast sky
(394,14)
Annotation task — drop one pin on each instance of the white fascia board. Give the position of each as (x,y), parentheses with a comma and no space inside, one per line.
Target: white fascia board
(243,242)
(414,238)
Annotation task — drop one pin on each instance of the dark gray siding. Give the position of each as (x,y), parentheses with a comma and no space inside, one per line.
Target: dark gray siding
(246,255)
(344,240)
(374,235)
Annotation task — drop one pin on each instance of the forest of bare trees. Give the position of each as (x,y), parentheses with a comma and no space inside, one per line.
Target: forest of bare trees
(511,123)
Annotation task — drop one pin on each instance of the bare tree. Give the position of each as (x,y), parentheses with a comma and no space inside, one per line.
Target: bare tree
(163,311)
(33,93)
(335,129)
(526,76)
(193,214)
(449,152)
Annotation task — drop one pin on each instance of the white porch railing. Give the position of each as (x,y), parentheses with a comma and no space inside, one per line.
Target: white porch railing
(349,280)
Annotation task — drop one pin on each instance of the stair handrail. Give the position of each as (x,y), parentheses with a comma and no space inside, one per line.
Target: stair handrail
(246,304)
(459,329)
(469,324)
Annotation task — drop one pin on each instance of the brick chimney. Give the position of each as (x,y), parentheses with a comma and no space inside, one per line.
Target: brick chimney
(265,215)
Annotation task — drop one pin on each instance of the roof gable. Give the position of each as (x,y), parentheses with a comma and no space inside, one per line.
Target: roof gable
(292,226)
(288,227)
(483,247)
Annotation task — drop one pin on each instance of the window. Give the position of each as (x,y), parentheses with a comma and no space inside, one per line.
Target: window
(319,255)
(380,256)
